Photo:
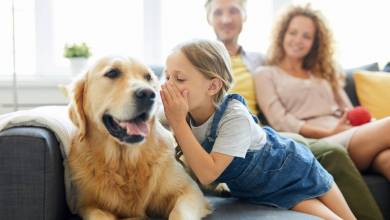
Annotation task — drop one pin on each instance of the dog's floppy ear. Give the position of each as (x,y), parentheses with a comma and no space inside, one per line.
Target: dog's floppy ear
(76,109)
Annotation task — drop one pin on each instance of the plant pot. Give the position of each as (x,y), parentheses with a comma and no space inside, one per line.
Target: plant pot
(77,65)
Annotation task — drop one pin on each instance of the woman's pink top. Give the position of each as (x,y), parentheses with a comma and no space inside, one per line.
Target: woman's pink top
(288,102)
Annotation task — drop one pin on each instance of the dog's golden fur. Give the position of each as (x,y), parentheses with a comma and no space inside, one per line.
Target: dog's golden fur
(116,179)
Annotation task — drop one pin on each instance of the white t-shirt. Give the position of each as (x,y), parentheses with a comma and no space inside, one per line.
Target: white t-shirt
(237,131)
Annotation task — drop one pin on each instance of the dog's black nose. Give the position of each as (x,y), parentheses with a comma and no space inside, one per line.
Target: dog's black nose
(144,98)
(142,94)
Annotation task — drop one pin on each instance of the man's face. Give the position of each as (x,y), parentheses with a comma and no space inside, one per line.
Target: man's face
(227,18)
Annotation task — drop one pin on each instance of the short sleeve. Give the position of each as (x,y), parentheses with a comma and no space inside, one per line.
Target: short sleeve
(234,135)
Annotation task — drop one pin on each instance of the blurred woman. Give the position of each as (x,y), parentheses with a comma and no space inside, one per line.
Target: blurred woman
(301,91)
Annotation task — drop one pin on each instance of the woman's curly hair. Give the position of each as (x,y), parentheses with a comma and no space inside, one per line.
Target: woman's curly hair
(319,60)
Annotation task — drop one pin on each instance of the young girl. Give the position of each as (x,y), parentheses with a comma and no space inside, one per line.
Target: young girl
(221,142)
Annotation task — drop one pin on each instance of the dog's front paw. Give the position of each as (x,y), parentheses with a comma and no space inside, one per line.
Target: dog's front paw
(222,189)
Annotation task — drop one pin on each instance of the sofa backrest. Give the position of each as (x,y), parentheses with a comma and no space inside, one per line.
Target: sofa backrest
(349,83)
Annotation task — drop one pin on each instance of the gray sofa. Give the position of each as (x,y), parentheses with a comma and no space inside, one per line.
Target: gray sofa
(32,183)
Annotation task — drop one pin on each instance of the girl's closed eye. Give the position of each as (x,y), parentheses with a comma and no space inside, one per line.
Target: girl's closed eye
(180,79)
(177,78)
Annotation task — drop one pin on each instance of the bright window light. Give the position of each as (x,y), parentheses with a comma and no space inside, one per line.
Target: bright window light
(125,27)
(109,27)
(24,37)
(5,38)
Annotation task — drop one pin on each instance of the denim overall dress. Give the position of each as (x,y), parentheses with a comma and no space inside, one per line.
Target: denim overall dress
(280,174)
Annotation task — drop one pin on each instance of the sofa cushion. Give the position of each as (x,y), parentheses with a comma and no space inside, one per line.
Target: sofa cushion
(234,209)
(373,90)
(350,84)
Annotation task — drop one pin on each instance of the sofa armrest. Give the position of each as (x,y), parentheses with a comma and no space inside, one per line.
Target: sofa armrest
(31,175)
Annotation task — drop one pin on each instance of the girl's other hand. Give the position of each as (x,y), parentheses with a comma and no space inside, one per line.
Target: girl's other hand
(175,103)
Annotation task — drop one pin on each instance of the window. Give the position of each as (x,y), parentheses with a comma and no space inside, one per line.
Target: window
(5,38)
(257,29)
(43,27)
(107,26)
(24,37)
(149,29)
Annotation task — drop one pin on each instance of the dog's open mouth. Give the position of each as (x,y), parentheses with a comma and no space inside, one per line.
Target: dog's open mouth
(129,131)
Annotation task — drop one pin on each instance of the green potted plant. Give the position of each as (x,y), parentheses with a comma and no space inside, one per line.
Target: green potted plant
(78,55)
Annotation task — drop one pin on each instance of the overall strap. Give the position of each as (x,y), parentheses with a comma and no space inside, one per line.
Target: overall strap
(219,113)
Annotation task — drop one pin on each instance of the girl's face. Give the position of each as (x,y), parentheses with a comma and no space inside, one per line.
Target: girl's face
(299,37)
(180,71)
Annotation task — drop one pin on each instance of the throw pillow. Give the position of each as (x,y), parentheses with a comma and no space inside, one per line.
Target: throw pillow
(349,82)
(373,91)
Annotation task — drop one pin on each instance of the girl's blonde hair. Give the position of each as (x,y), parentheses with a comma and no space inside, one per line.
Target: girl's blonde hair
(319,60)
(212,60)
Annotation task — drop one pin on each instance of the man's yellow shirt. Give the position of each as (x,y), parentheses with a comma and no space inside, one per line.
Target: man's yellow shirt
(243,83)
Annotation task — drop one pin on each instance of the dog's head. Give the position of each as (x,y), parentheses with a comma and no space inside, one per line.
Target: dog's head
(118,97)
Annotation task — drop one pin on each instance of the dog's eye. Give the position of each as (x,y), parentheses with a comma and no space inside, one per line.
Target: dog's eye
(148,77)
(114,73)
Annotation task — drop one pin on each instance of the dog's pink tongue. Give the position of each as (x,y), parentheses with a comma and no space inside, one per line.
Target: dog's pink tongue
(140,128)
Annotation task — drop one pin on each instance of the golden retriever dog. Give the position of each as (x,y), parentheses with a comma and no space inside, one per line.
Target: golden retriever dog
(122,160)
